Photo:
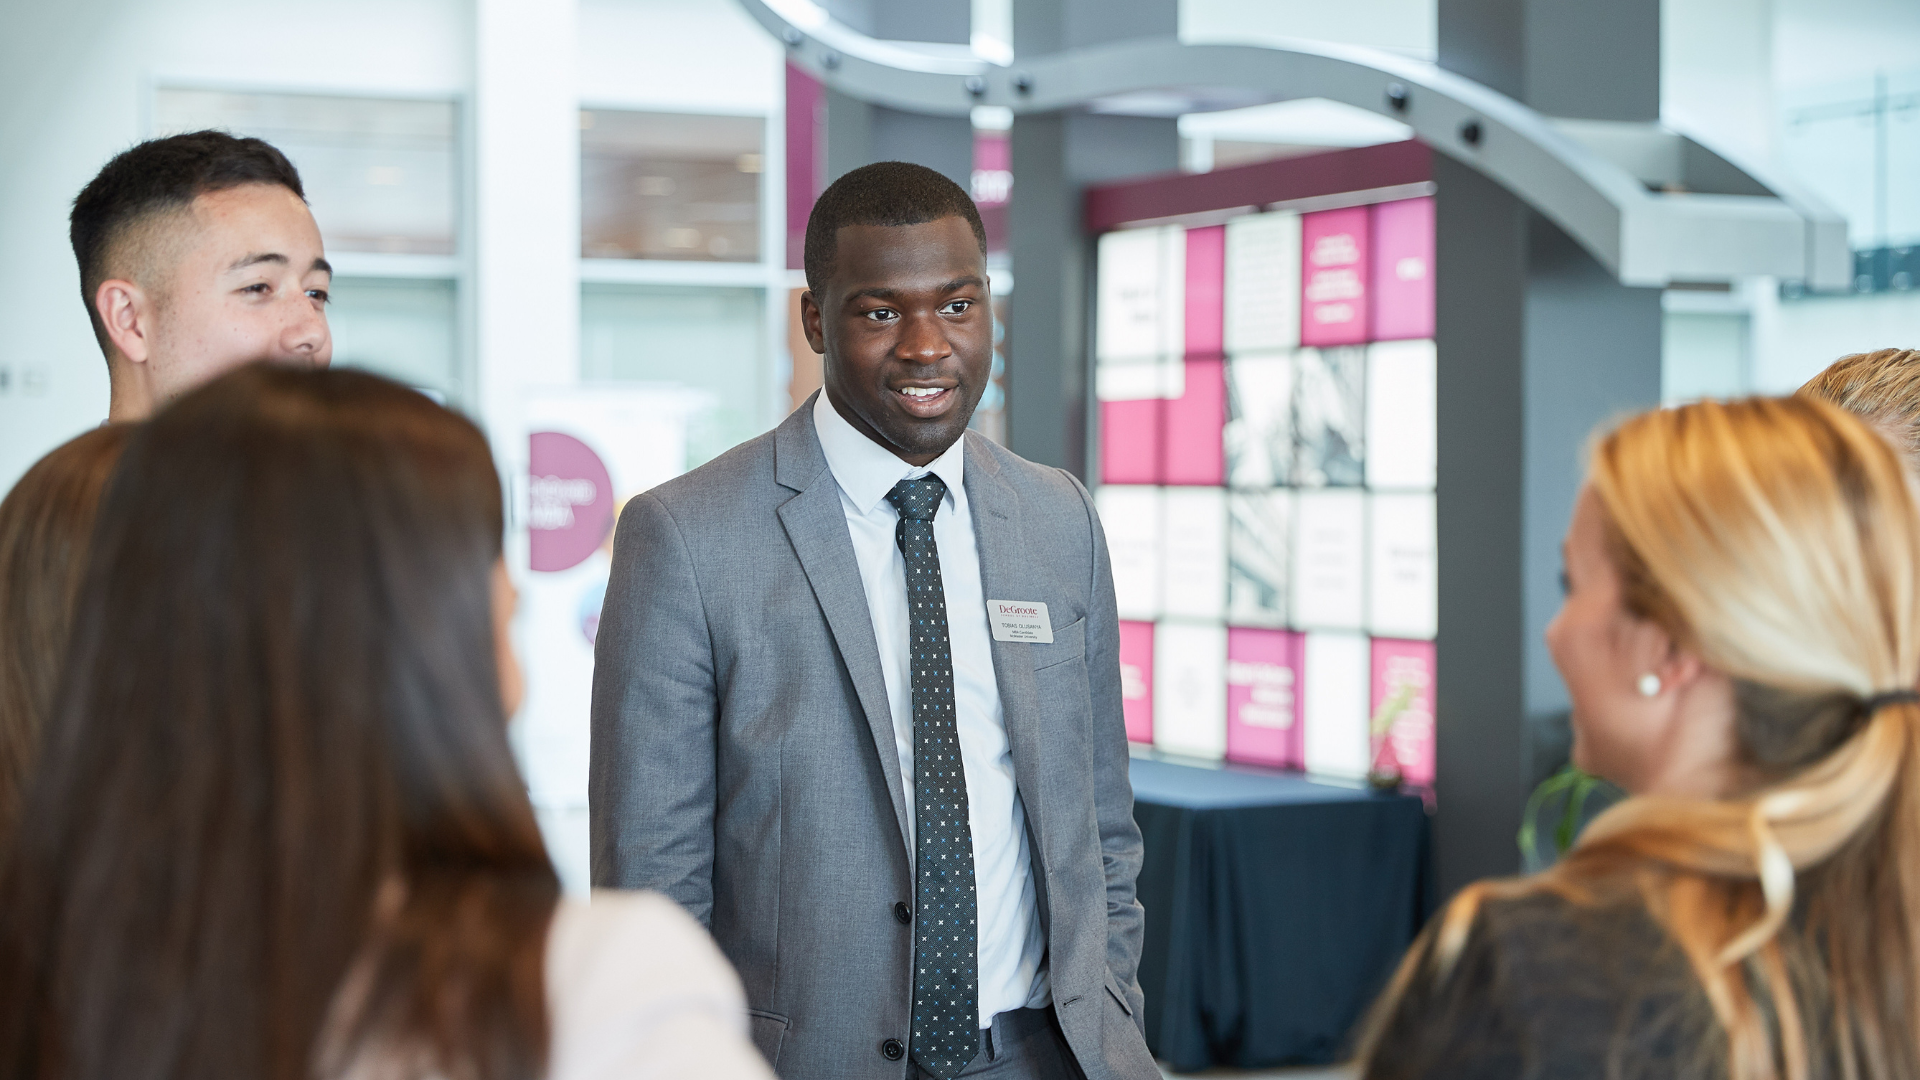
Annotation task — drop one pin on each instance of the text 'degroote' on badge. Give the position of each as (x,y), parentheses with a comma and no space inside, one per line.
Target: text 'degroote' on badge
(1020,620)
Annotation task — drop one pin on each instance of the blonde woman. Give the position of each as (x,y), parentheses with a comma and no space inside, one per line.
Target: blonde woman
(1739,639)
(1882,387)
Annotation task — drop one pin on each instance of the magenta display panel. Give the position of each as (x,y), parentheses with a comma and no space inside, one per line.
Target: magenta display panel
(1136,679)
(1405,665)
(1402,294)
(1191,448)
(1206,291)
(1263,697)
(1334,256)
(1130,441)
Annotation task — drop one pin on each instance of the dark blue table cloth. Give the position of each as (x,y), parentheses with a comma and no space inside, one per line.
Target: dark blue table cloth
(1277,907)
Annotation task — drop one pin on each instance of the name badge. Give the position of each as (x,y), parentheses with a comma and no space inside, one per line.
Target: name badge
(1020,620)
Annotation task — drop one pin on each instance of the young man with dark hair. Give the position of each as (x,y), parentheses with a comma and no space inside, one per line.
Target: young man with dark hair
(197,254)
(857,699)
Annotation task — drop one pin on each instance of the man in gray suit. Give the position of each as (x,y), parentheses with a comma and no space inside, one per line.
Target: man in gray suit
(857,697)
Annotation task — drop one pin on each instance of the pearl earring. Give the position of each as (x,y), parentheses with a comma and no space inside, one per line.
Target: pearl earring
(1649,685)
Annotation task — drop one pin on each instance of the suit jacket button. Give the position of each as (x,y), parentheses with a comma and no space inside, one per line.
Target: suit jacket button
(902,912)
(892,1050)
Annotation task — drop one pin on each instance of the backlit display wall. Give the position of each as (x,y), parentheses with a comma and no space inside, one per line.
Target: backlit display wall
(1266,453)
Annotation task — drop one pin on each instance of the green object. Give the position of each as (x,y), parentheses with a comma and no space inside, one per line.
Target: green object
(1576,785)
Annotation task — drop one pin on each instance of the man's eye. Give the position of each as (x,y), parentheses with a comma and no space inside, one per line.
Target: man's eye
(258,289)
(319,294)
(1566,584)
(957,307)
(883,315)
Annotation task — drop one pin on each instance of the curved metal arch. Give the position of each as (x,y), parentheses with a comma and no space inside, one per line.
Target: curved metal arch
(1651,205)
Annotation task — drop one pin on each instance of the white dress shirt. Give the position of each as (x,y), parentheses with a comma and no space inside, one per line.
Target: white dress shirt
(1011,945)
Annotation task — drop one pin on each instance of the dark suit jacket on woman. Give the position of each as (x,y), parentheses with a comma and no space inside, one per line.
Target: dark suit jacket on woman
(1546,990)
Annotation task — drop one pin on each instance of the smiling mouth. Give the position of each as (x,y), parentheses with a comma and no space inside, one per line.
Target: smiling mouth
(926,401)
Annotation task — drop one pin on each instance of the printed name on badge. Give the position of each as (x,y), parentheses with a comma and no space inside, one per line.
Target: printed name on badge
(1020,620)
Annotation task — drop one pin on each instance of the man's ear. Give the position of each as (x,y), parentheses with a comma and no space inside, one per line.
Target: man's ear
(128,313)
(810,323)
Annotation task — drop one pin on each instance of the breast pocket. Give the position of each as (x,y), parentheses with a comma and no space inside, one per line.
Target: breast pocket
(1069,643)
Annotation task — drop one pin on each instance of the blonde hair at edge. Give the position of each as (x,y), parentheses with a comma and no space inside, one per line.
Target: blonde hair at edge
(1882,386)
(1775,538)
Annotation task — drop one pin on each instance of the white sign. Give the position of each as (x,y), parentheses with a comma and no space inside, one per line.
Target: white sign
(1020,620)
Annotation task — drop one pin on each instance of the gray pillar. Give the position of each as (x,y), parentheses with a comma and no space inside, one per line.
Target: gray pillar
(1055,156)
(1538,345)
(859,133)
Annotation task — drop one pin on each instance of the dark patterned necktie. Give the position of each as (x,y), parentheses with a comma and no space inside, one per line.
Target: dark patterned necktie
(946,995)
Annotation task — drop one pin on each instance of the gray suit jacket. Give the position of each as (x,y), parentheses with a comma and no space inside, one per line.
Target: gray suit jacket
(744,763)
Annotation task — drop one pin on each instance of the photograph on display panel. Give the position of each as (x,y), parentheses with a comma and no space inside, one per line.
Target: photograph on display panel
(1258,438)
(1329,421)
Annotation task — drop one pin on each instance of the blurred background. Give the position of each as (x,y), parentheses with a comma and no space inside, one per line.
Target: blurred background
(534,204)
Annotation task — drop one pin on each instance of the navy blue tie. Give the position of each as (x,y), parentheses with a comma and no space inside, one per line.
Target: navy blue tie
(946,980)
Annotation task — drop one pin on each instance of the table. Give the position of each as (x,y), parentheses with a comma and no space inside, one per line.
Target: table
(1277,907)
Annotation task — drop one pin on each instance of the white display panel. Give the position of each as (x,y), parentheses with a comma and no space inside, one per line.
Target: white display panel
(1328,583)
(1336,677)
(1402,378)
(1259,530)
(1263,282)
(1141,299)
(1259,431)
(1403,571)
(1190,689)
(1131,518)
(1193,548)
(1139,379)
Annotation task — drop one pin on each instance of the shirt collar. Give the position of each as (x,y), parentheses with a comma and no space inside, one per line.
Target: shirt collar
(867,471)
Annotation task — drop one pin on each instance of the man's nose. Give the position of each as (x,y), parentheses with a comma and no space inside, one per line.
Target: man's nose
(923,340)
(305,335)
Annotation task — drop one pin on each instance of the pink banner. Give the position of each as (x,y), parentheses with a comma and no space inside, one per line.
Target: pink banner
(1264,697)
(1136,679)
(1130,441)
(1193,449)
(1333,275)
(806,156)
(1403,270)
(1405,667)
(1206,290)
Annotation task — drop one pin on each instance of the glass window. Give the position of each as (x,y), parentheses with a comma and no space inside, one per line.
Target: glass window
(670,186)
(710,339)
(403,329)
(380,173)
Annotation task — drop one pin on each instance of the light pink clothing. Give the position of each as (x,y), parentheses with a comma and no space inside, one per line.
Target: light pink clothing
(638,990)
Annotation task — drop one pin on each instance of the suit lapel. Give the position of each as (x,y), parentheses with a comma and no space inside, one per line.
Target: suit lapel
(1004,575)
(816,525)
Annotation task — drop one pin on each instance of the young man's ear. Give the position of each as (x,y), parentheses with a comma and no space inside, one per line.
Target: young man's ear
(810,323)
(127,312)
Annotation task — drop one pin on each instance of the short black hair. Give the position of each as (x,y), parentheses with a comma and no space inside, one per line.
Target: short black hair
(883,193)
(160,176)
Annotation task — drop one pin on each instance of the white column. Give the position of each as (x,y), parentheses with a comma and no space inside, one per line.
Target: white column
(526,221)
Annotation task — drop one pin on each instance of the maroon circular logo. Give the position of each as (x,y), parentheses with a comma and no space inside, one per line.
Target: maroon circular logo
(569,501)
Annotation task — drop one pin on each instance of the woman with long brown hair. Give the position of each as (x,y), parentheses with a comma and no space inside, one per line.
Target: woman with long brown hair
(46,522)
(276,832)
(1740,639)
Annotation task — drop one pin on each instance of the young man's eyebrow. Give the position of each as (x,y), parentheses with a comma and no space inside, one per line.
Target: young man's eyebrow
(257,258)
(321,265)
(882,292)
